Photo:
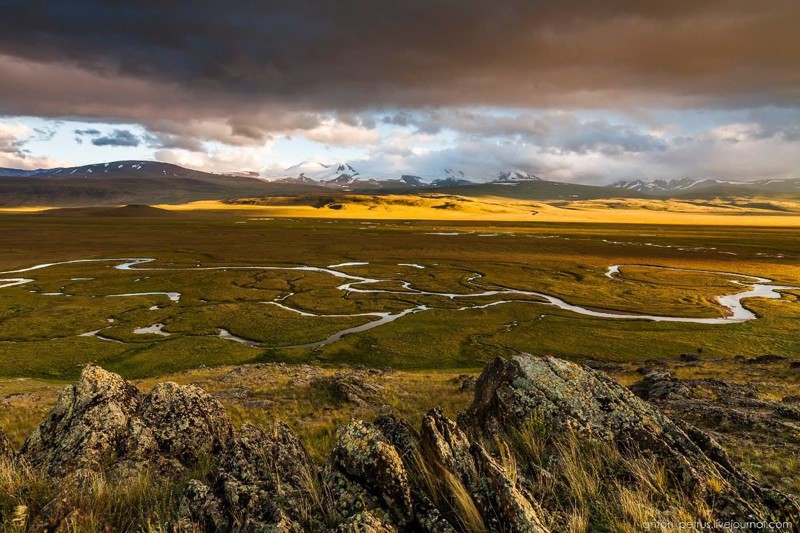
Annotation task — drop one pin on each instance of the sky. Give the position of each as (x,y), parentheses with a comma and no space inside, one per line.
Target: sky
(572,90)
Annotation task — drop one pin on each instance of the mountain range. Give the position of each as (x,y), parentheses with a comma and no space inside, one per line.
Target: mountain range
(688,187)
(150,182)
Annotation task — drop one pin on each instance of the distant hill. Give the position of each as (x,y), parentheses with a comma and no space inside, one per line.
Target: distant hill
(131,211)
(127,182)
(539,189)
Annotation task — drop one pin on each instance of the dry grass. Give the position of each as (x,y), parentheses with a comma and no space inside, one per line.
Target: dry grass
(496,208)
(447,492)
(582,486)
(141,502)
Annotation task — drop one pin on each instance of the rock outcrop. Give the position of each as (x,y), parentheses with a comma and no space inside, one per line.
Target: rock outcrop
(347,388)
(105,424)
(261,483)
(565,396)
(387,476)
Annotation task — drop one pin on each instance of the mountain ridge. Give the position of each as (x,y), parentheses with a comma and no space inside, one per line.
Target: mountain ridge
(149,182)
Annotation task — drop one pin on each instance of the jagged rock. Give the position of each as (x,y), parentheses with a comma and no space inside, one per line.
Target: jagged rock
(365,522)
(363,453)
(187,423)
(201,510)
(465,382)
(104,423)
(400,433)
(262,481)
(660,384)
(512,509)
(87,426)
(445,445)
(347,388)
(566,396)
(406,441)
(502,505)
(387,477)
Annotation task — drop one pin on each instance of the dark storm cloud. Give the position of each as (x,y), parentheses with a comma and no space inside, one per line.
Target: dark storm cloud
(357,54)
(118,138)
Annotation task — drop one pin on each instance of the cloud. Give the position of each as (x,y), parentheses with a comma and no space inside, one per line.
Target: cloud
(260,64)
(14,154)
(216,159)
(89,131)
(118,138)
(556,132)
(589,151)
(341,133)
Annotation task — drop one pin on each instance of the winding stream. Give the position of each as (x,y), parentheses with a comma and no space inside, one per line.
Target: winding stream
(757,287)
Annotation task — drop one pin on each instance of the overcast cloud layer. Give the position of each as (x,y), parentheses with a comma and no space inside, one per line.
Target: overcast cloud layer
(581,90)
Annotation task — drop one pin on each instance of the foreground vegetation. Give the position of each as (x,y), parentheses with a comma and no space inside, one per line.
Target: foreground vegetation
(578,483)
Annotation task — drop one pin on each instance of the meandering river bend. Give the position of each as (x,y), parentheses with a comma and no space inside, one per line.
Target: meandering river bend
(736,312)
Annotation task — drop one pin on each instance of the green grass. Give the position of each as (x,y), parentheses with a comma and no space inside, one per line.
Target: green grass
(39,334)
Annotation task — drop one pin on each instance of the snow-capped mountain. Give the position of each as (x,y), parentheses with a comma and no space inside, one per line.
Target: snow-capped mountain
(412,181)
(663,185)
(316,172)
(452,178)
(450,182)
(514,176)
(111,169)
(707,186)
(345,175)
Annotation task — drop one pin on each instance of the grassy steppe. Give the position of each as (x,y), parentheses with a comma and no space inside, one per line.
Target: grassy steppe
(39,334)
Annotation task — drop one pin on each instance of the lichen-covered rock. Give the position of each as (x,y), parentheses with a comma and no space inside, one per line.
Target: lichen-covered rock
(513,510)
(387,477)
(105,424)
(264,480)
(501,503)
(406,441)
(264,477)
(445,444)
(363,453)
(400,433)
(186,422)
(201,510)
(347,388)
(659,384)
(88,425)
(365,522)
(565,396)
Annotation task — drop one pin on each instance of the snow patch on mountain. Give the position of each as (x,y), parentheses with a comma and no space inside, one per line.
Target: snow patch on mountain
(516,176)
